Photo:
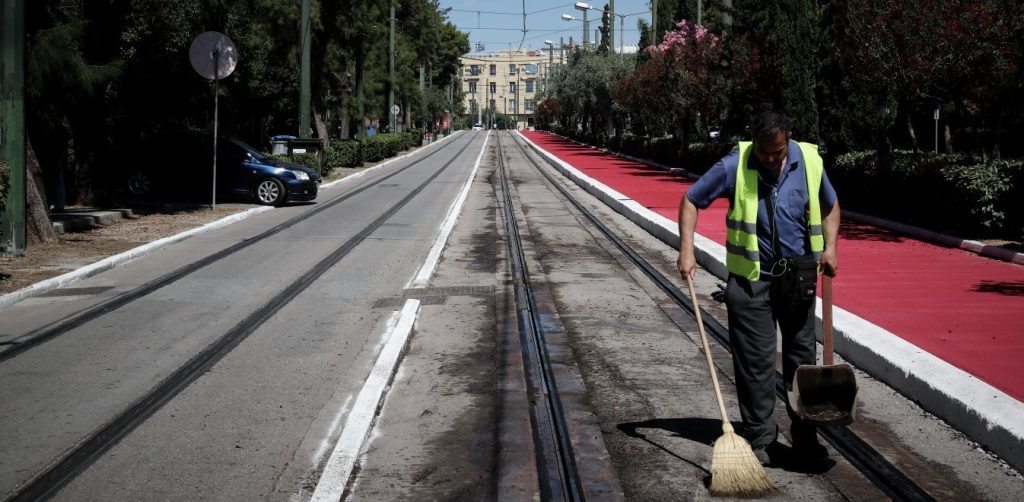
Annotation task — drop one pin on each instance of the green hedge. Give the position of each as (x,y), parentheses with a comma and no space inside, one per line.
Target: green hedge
(954,193)
(382,146)
(415,137)
(343,153)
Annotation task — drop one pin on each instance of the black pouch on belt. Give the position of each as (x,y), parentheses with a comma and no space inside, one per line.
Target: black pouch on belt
(805,280)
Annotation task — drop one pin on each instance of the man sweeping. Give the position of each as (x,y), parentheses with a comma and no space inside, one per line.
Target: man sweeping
(781,226)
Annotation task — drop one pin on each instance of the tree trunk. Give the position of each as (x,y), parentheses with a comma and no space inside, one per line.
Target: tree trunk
(38,228)
(947,138)
(913,135)
(343,114)
(321,128)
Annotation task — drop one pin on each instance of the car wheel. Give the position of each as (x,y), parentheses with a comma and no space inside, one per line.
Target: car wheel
(140,183)
(270,192)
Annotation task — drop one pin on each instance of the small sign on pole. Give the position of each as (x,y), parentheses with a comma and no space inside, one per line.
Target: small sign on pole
(395,110)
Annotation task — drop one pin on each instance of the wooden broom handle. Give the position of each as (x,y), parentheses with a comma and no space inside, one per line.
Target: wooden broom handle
(707,353)
(826,319)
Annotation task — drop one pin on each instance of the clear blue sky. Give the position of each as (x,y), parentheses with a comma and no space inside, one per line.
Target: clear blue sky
(496,25)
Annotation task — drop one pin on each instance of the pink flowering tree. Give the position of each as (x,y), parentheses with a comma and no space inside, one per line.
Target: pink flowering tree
(686,73)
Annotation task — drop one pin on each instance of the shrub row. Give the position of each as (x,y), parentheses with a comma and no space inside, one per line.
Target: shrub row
(352,153)
(952,193)
(695,157)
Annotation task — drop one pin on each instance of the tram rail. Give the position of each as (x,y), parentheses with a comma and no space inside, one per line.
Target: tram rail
(49,481)
(873,465)
(40,336)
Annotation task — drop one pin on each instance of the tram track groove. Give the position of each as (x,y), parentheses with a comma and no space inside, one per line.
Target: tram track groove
(45,484)
(42,335)
(556,464)
(865,458)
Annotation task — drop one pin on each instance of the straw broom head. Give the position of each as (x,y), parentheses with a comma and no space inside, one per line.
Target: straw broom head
(735,471)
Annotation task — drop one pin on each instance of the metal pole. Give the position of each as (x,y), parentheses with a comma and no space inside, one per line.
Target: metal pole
(391,69)
(936,129)
(699,12)
(622,29)
(12,124)
(216,108)
(654,22)
(304,129)
(586,28)
(561,50)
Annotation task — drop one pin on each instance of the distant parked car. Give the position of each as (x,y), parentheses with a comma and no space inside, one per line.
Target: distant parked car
(478,126)
(181,164)
(714,132)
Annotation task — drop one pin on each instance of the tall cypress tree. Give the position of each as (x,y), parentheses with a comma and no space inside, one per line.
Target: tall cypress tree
(787,34)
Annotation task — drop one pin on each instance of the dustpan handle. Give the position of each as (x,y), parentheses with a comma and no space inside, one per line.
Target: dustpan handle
(826,319)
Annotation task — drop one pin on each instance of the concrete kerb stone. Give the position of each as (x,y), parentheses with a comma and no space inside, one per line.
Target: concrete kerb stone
(119,259)
(985,414)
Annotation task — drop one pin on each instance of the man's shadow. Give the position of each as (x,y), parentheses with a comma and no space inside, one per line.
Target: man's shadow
(706,431)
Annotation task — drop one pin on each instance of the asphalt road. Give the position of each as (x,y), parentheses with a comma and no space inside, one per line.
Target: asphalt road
(262,423)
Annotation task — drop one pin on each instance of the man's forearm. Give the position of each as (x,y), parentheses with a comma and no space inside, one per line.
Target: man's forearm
(830,226)
(687,223)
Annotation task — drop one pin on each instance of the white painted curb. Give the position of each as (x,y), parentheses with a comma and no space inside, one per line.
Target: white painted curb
(979,410)
(120,259)
(360,420)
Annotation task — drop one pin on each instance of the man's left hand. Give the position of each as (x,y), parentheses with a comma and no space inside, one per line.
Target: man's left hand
(829,262)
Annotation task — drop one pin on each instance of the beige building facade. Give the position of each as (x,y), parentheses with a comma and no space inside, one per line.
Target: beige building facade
(507,82)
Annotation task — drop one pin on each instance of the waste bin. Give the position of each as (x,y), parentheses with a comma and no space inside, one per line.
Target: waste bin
(279,144)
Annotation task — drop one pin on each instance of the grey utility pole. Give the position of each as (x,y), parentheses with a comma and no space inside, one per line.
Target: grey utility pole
(391,71)
(12,124)
(304,129)
(654,22)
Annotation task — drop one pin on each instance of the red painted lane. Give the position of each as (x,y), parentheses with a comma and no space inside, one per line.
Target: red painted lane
(963,308)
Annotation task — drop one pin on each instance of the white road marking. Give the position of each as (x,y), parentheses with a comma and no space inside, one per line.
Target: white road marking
(360,420)
(447,225)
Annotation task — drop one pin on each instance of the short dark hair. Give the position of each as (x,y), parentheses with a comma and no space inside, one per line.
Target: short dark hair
(767,125)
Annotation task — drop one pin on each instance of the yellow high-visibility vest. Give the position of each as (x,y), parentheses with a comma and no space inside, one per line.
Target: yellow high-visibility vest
(741,252)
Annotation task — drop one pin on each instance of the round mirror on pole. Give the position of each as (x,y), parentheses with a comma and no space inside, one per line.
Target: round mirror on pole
(213,56)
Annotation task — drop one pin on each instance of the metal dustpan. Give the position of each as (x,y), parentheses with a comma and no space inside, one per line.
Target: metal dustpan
(827,394)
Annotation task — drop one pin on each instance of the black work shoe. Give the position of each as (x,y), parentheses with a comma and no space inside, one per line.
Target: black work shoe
(811,456)
(765,453)
(761,452)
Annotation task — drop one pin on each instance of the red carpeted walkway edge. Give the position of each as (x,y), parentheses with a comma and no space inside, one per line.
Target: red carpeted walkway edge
(963,308)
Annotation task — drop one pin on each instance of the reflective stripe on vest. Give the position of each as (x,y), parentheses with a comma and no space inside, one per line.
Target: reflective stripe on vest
(741,252)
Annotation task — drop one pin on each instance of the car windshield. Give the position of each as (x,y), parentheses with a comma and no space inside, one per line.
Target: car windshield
(250,150)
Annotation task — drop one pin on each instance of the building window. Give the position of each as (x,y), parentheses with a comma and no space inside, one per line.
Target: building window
(472,87)
(512,105)
(494,87)
(527,105)
(474,69)
(531,69)
(494,69)
(529,86)
(512,87)
(494,106)
(472,105)
(511,68)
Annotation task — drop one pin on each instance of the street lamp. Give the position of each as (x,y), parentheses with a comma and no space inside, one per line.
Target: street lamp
(584,7)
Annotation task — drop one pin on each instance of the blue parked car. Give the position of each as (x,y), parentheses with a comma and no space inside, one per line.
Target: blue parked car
(181,165)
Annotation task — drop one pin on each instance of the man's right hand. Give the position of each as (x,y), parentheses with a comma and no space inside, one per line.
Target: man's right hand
(687,264)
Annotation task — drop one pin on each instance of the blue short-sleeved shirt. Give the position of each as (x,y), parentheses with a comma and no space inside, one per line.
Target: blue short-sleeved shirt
(790,211)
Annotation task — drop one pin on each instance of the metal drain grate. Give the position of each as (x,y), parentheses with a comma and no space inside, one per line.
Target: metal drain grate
(432,296)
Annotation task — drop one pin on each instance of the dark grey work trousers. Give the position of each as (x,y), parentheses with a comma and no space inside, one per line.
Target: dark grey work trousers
(755,309)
